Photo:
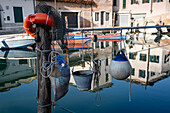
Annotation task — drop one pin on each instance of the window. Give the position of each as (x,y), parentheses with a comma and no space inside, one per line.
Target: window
(145,1)
(124,4)
(154,58)
(107,44)
(114,2)
(152,74)
(8,18)
(102,45)
(157,0)
(142,57)
(166,59)
(107,62)
(142,73)
(133,72)
(18,14)
(107,77)
(96,16)
(132,56)
(134,2)
(97,45)
(107,16)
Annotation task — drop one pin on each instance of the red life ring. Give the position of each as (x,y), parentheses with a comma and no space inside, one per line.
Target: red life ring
(35,19)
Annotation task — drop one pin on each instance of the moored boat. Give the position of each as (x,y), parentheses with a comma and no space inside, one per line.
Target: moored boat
(18,41)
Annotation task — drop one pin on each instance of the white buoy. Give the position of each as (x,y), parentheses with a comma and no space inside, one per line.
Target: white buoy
(120,67)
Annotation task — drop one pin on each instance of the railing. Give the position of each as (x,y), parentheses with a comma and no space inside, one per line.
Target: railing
(117,28)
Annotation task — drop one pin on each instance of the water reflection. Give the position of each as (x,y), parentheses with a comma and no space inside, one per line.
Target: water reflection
(104,80)
(149,66)
(16,67)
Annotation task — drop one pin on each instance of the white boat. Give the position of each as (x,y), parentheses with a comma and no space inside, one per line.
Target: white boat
(16,41)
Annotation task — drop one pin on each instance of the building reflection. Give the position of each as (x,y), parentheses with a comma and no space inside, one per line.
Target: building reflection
(16,69)
(149,65)
(145,71)
(104,79)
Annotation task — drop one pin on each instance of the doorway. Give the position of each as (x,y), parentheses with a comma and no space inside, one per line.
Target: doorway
(72,19)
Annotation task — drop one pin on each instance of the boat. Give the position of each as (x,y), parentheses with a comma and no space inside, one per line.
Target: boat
(15,41)
(75,40)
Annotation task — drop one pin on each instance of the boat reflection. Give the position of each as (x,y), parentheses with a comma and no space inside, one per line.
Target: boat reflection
(16,67)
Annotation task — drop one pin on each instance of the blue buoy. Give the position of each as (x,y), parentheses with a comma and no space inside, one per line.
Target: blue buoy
(120,67)
(83,79)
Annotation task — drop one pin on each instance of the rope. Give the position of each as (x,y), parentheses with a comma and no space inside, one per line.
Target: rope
(47,17)
(31,21)
(43,51)
(82,48)
(121,39)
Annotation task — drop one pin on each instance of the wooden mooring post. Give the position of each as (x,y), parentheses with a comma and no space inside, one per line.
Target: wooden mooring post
(43,84)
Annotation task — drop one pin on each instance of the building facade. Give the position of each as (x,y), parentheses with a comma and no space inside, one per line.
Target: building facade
(84,13)
(158,63)
(13,12)
(141,9)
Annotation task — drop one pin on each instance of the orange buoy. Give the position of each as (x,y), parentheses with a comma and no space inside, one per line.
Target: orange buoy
(30,20)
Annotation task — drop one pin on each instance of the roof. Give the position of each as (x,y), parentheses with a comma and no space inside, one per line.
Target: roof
(85,2)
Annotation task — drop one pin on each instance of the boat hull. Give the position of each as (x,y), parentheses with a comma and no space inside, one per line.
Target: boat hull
(16,42)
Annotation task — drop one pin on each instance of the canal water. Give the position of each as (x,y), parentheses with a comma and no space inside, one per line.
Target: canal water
(18,89)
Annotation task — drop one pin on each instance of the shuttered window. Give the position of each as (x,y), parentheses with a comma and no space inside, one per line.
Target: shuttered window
(142,73)
(143,57)
(145,1)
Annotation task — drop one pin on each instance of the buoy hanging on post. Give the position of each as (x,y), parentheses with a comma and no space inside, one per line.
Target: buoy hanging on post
(120,67)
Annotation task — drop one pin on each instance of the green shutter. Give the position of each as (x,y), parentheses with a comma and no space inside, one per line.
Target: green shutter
(157,60)
(102,45)
(18,14)
(140,57)
(107,77)
(130,55)
(144,57)
(124,4)
(107,62)
(142,1)
(131,1)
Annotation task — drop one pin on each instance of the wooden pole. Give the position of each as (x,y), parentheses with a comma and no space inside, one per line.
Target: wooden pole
(113,49)
(151,6)
(67,52)
(55,4)
(44,84)
(113,32)
(92,33)
(147,71)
